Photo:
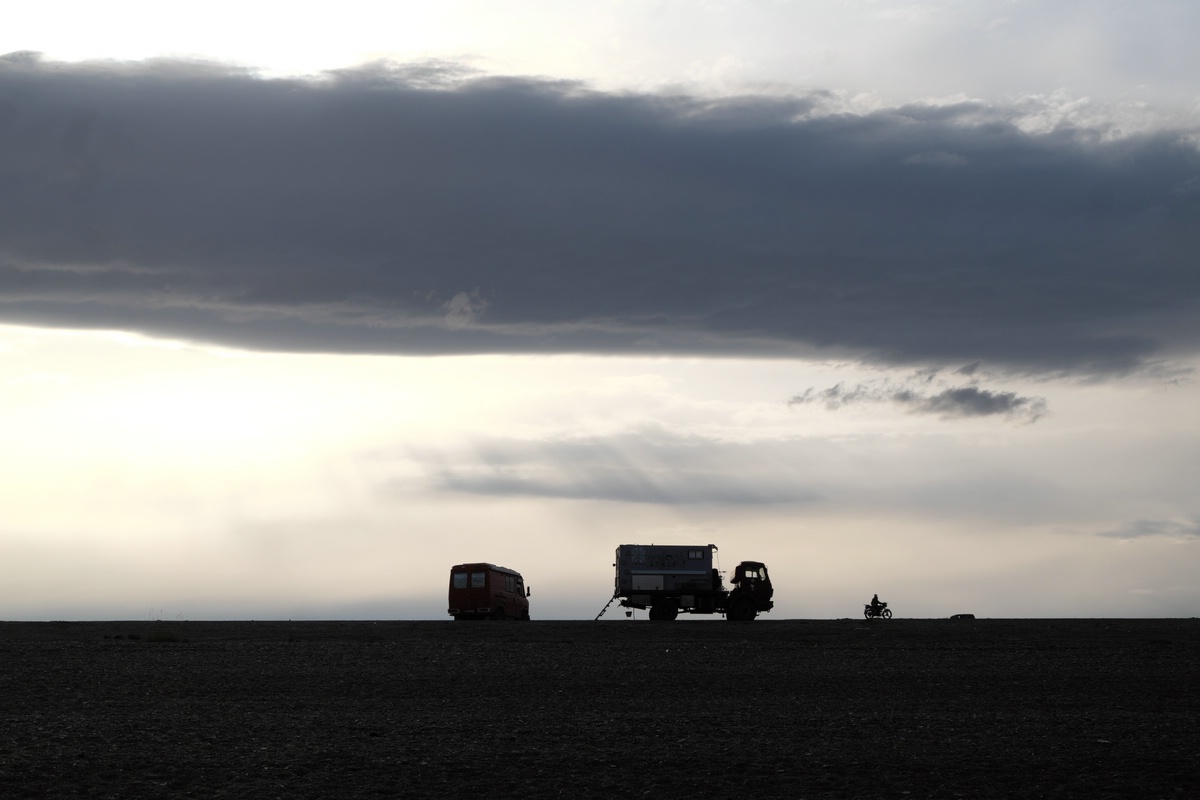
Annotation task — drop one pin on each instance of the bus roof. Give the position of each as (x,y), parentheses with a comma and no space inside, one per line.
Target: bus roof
(483,565)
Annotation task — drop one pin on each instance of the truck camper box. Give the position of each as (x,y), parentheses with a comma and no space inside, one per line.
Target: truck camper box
(486,591)
(666,568)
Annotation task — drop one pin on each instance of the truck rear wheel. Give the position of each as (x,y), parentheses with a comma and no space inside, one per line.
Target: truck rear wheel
(664,610)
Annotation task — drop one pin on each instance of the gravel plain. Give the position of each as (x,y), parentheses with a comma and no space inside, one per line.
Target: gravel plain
(988,708)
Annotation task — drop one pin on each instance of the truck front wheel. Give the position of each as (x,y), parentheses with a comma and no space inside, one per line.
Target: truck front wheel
(742,610)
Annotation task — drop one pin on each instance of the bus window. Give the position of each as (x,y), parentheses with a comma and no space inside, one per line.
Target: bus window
(460,580)
(477,579)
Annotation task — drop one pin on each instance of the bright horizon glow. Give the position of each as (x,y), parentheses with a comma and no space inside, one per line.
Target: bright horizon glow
(212,469)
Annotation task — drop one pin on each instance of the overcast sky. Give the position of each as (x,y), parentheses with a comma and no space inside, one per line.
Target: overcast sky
(300,306)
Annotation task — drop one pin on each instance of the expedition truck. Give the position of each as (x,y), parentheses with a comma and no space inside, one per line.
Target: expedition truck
(486,591)
(669,578)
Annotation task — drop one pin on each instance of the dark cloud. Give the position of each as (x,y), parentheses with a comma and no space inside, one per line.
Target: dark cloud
(420,210)
(925,392)
(971,401)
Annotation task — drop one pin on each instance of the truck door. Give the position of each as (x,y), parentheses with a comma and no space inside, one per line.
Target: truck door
(761,588)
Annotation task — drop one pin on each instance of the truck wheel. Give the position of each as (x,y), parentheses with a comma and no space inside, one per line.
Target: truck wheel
(742,610)
(664,610)
(498,613)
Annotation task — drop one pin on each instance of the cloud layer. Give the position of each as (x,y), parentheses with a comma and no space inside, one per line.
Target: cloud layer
(418,210)
(926,392)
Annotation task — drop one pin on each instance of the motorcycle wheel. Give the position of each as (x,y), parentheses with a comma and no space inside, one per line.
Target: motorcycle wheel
(887,613)
(866,613)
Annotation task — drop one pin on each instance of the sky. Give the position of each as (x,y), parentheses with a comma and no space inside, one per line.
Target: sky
(300,305)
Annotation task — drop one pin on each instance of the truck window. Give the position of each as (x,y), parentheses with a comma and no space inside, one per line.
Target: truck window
(695,555)
(478,580)
(460,580)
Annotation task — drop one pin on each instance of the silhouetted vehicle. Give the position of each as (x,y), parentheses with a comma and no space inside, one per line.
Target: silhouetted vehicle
(669,579)
(486,591)
(882,611)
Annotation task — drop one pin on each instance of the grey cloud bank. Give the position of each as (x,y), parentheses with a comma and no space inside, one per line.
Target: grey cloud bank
(1173,529)
(887,475)
(417,210)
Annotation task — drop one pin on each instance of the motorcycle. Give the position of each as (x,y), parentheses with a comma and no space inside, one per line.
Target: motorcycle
(883,611)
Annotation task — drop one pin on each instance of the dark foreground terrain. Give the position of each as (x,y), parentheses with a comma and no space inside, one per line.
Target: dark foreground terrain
(621,709)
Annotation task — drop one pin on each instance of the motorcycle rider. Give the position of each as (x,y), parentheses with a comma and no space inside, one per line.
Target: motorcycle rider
(876,606)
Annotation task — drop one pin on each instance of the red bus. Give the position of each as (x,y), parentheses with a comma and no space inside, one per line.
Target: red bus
(486,591)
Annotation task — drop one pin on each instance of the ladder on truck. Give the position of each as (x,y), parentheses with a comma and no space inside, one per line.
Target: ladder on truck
(606,605)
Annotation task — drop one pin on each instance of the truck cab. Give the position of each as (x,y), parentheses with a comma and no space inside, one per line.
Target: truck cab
(485,591)
(752,591)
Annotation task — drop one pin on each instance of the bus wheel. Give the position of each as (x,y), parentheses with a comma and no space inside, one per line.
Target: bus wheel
(498,613)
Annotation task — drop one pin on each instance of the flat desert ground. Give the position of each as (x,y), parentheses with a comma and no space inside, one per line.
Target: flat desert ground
(906,708)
